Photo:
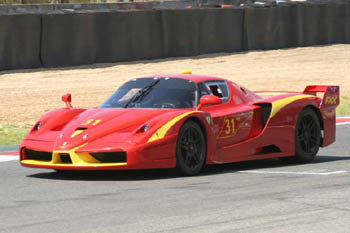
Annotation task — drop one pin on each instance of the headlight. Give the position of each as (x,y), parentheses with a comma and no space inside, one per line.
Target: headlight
(145,128)
(37,126)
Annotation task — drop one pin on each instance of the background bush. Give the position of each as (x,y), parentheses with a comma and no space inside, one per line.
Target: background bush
(59,1)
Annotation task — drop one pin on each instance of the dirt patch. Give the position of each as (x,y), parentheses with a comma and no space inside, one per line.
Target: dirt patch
(27,94)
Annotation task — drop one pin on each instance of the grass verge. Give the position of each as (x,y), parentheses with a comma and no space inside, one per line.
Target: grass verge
(344,107)
(12,134)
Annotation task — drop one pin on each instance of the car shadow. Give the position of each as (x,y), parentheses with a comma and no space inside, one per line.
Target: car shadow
(266,163)
(159,174)
(327,158)
(130,175)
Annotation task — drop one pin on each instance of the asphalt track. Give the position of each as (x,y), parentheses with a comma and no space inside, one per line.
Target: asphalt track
(257,196)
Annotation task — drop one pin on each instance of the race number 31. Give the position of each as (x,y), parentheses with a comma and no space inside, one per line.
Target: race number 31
(230,126)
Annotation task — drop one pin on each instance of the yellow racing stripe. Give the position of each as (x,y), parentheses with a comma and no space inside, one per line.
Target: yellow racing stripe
(161,132)
(279,104)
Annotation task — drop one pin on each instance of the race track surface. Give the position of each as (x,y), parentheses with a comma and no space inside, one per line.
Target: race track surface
(257,196)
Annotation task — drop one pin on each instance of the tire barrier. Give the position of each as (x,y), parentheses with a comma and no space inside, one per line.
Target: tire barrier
(19,41)
(296,24)
(128,36)
(190,32)
(85,37)
(68,39)
(95,37)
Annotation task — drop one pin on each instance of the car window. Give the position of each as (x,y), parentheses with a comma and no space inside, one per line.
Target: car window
(154,93)
(203,89)
(217,88)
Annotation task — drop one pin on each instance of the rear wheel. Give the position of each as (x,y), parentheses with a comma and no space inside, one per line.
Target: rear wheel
(190,149)
(307,137)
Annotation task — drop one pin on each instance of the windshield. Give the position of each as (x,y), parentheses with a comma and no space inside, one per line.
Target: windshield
(154,93)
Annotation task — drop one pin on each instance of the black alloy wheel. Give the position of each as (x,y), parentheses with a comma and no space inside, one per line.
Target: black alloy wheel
(307,136)
(190,149)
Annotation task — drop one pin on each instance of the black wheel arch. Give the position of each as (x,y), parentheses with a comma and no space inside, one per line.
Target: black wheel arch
(320,120)
(318,113)
(200,124)
(202,127)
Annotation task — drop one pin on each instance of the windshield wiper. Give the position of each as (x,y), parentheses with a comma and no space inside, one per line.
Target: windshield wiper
(142,93)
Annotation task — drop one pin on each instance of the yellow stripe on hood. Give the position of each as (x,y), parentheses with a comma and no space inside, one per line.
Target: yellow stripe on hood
(161,132)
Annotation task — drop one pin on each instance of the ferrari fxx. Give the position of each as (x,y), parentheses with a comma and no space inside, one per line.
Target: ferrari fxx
(185,122)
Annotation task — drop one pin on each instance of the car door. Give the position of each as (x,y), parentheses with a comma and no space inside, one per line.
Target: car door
(232,118)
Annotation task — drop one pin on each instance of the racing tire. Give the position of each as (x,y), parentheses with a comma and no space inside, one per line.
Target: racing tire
(307,137)
(190,149)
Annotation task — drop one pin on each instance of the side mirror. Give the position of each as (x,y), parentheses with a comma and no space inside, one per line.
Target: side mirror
(208,100)
(67,98)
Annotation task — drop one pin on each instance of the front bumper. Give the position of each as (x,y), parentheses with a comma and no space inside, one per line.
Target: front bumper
(57,166)
(159,154)
(67,160)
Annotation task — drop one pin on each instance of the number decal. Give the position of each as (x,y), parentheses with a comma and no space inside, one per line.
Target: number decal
(96,122)
(87,122)
(234,126)
(230,126)
(91,121)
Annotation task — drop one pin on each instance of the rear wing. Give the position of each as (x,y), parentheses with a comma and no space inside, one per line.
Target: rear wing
(328,94)
(330,100)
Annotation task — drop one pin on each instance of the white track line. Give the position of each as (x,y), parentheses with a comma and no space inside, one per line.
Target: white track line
(343,123)
(5,158)
(294,173)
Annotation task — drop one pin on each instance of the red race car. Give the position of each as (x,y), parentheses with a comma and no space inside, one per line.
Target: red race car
(183,121)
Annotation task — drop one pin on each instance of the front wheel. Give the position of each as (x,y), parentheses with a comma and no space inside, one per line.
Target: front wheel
(190,149)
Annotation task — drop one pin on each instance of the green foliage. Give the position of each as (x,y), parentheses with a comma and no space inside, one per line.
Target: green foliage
(57,1)
(10,1)
(344,107)
(11,134)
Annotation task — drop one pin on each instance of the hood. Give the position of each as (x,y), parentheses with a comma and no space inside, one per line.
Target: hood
(97,123)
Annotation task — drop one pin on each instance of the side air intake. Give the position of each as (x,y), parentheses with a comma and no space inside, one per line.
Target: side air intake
(265,112)
(270,150)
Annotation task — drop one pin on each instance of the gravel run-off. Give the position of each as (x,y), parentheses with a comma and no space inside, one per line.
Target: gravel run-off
(27,94)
